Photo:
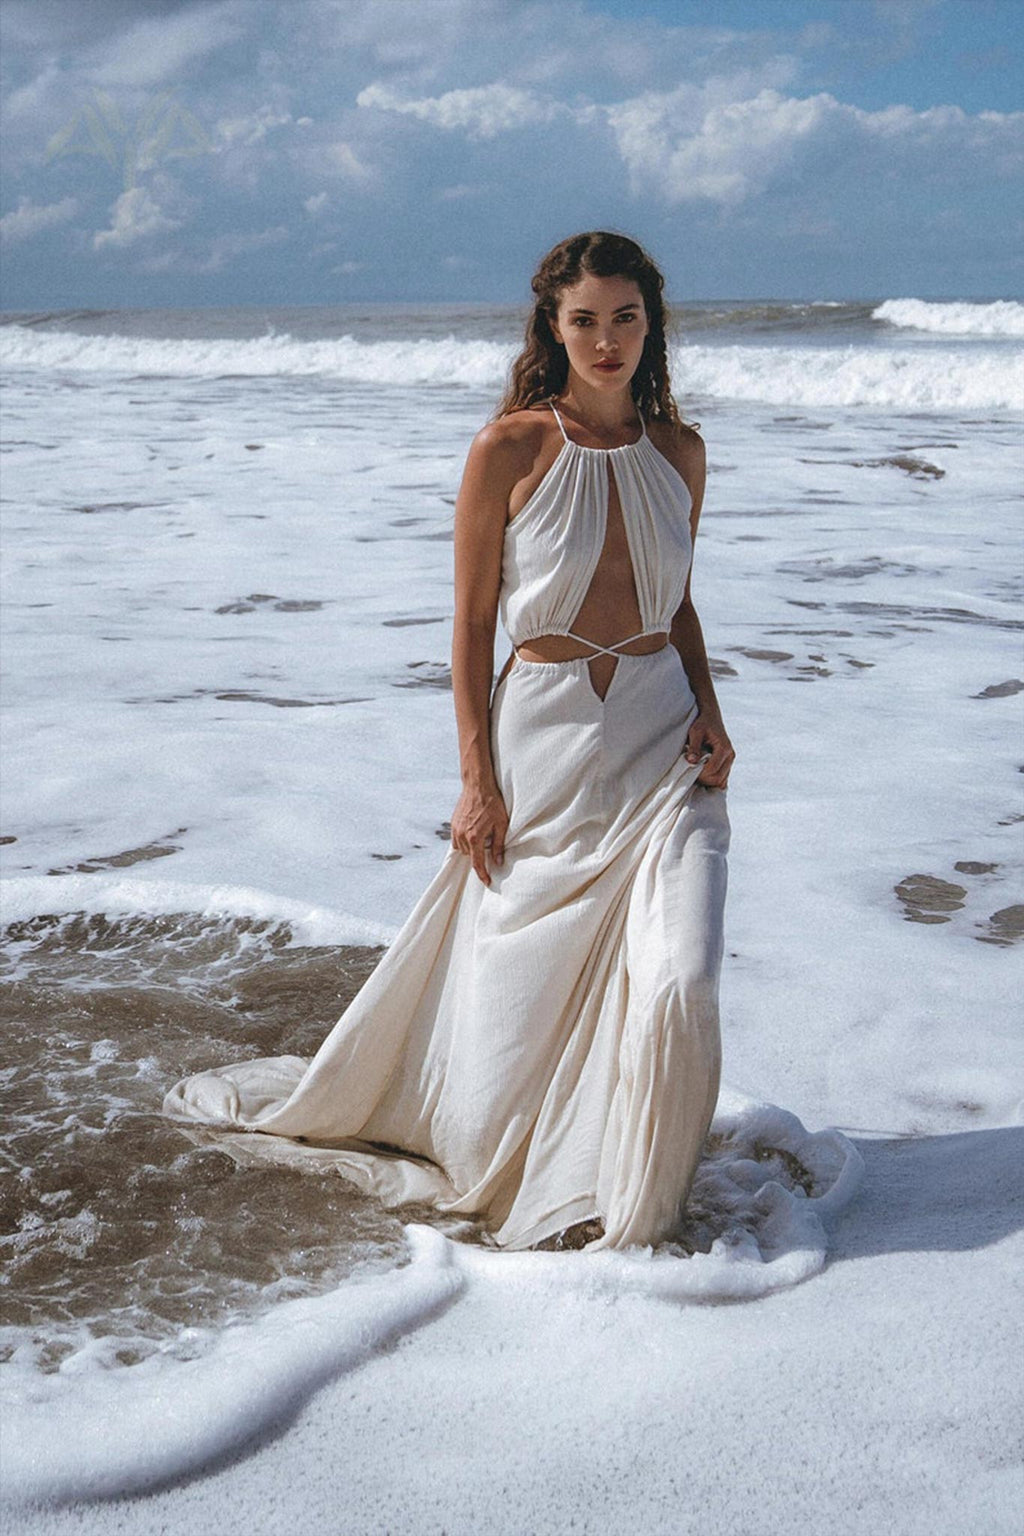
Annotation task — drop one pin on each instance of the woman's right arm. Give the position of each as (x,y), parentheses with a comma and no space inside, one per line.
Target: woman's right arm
(494,465)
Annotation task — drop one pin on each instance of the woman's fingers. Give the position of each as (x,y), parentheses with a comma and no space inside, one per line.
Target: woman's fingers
(703,736)
(707,738)
(478,853)
(480,846)
(491,846)
(716,771)
(479,830)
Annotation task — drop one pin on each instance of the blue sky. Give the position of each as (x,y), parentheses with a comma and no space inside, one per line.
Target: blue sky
(320,151)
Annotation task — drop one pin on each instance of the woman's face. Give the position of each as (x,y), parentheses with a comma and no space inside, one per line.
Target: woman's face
(602,323)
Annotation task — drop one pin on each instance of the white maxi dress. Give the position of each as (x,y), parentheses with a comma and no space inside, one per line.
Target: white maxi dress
(544,1050)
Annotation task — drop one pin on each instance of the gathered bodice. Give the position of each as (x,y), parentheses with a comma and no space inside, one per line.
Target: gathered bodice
(552,547)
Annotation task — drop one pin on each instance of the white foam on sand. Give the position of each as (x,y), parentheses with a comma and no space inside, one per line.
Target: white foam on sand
(876,1399)
(775,1236)
(178,1418)
(29,896)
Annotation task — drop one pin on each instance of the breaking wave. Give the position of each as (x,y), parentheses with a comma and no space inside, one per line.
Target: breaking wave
(879,377)
(1003,317)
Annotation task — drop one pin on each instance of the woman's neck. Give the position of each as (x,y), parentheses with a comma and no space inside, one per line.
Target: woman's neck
(600,411)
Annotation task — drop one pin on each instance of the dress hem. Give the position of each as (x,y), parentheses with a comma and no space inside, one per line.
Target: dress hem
(580,1208)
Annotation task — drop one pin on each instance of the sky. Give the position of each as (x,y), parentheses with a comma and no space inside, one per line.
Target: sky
(210,152)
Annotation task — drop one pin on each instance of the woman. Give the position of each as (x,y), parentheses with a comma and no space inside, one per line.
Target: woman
(539,1047)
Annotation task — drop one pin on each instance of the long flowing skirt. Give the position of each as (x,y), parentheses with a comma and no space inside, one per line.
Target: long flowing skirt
(544,1050)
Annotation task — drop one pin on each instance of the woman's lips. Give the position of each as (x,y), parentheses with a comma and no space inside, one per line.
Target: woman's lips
(608,367)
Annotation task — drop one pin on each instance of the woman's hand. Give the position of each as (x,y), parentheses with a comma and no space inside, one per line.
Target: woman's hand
(479,824)
(707,734)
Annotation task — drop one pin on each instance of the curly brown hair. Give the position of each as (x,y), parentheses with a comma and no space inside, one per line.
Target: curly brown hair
(541,370)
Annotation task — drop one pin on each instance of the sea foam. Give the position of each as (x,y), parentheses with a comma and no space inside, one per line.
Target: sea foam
(826,378)
(811,376)
(179,1417)
(112,896)
(1003,317)
(175,1417)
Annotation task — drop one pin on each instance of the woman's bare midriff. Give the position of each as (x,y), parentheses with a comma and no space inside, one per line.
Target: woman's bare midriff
(602,668)
(562,648)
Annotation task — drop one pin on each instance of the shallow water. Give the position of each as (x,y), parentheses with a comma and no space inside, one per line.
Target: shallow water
(125,1234)
(121,1235)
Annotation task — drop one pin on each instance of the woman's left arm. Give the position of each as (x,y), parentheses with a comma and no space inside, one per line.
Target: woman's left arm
(707,732)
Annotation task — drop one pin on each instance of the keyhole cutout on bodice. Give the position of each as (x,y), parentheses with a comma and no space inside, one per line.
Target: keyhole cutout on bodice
(610,608)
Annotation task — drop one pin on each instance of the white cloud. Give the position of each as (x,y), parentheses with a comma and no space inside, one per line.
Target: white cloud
(424,47)
(158,48)
(679,151)
(343,158)
(228,248)
(728,153)
(316,204)
(482,111)
(903,13)
(250,128)
(31,102)
(30,218)
(461,191)
(134,216)
(220,253)
(412,35)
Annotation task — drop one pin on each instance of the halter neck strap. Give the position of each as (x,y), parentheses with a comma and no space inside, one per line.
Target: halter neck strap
(561,423)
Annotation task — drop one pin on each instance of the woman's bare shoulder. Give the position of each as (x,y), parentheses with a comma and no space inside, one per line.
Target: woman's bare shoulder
(513,442)
(682,445)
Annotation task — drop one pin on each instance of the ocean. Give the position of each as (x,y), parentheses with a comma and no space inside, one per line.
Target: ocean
(230,763)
